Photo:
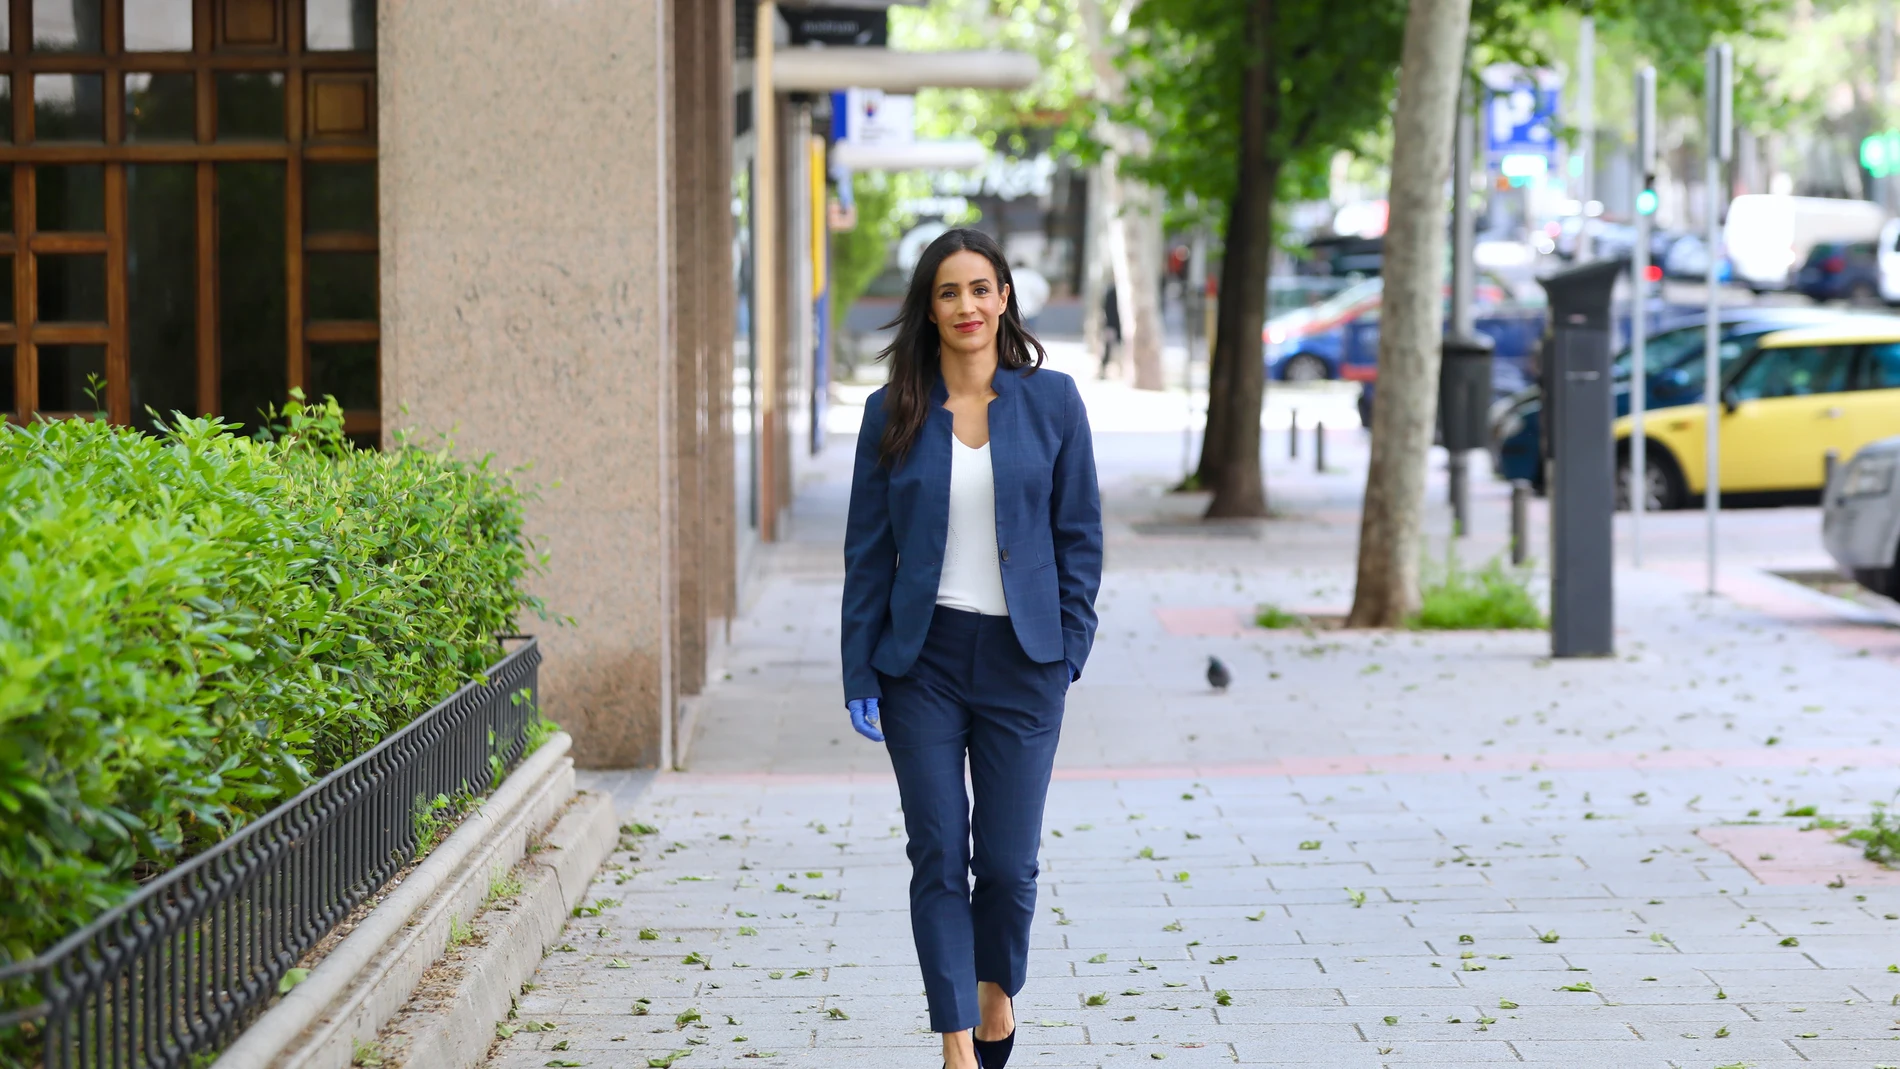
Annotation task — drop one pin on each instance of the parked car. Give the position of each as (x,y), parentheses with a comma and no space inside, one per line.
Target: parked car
(1340,338)
(1688,258)
(1803,393)
(1673,360)
(1860,518)
(1889,246)
(1841,271)
(1768,234)
(1291,293)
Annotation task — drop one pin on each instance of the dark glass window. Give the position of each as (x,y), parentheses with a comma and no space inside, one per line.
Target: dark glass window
(71,196)
(346,372)
(250,105)
(340,285)
(69,107)
(1797,371)
(160,107)
(9,401)
(1880,367)
(72,378)
(6,103)
(6,197)
(68,26)
(252,315)
(6,294)
(72,287)
(339,197)
(161,265)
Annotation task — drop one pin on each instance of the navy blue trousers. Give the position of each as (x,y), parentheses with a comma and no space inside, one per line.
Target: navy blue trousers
(972,692)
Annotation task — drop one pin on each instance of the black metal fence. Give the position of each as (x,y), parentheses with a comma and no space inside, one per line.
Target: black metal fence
(178,969)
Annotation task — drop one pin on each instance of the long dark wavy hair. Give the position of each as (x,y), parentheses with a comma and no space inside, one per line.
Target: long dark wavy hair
(915,354)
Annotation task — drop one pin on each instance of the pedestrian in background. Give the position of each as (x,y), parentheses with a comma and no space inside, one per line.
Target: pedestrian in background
(1031,291)
(1111,329)
(973,552)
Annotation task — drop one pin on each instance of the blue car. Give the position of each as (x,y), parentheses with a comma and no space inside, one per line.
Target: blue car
(1674,360)
(1339,338)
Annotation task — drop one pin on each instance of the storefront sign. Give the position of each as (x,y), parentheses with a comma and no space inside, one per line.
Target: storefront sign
(837,26)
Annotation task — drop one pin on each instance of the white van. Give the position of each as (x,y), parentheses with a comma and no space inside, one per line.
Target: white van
(1768,236)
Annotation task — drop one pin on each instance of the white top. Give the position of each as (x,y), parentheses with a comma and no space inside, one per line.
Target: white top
(972,580)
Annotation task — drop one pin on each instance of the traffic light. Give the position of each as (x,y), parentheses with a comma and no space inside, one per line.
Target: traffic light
(1646,202)
(1880,153)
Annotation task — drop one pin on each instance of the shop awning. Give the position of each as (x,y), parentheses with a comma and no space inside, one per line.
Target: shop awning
(910,156)
(819,70)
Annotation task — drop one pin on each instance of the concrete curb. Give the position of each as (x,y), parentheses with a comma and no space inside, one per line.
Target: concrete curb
(367,977)
(514,942)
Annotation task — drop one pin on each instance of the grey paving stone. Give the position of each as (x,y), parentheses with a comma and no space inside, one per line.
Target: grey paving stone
(1479,829)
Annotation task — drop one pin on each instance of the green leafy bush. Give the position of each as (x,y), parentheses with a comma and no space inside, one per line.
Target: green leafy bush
(1275,618)
(1880,839)
(1491,598)
(195,626)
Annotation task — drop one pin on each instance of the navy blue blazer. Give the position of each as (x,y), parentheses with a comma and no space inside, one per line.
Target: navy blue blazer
(1048,529)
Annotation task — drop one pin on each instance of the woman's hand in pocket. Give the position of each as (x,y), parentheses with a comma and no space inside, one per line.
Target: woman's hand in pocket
(864,718)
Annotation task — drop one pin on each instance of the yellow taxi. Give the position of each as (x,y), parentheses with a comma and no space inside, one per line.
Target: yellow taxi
(1802,393)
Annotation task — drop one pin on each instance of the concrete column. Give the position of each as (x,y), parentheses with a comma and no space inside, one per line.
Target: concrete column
(525,255)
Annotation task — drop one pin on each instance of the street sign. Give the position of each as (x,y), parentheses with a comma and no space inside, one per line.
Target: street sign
(874,117)
(1521,119)
(837,26)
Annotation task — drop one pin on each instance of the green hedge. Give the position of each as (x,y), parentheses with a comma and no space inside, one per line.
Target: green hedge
(193,627)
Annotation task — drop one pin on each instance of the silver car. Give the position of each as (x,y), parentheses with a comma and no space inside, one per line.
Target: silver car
(1860,518)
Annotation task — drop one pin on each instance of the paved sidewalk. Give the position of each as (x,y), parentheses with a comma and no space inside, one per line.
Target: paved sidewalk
(1374,850)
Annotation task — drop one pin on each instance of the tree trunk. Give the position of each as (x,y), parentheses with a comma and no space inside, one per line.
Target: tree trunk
(1094,263)
(1133,208)
(1230,454)
(1412,316)
(1142,324)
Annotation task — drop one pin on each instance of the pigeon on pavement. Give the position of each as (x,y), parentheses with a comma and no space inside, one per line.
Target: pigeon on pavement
(1218,676)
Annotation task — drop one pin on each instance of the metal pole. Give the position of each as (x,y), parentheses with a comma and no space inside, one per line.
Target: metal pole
(1721,144)
(1830,463)
(1520,521)
(1460,493)
(1883,91)
(1319,448)
(1462,237)
(1193,307)
(1462,241)
(1586,127)
(1187,381)
(1293,435)
(1639,311)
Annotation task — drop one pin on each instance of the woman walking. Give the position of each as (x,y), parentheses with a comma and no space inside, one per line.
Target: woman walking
(972,557)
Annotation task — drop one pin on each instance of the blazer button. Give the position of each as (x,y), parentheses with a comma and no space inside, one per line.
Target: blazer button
(1005,554)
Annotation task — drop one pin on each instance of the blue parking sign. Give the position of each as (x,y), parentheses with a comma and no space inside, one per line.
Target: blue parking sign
(1521,118)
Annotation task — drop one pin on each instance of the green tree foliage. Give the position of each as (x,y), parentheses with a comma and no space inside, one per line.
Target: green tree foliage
(1331,69)
(1049,30)
(196,626)
(858,255)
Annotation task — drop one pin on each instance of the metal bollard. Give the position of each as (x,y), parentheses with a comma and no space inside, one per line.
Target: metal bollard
(1457,475)
(1319,447)
(1830,463)
(1520,521)
(1293,436)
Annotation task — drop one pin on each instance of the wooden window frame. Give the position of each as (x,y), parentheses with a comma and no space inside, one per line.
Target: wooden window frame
(24,244)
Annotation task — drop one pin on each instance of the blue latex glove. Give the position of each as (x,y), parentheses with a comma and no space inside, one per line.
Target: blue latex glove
(864,718)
